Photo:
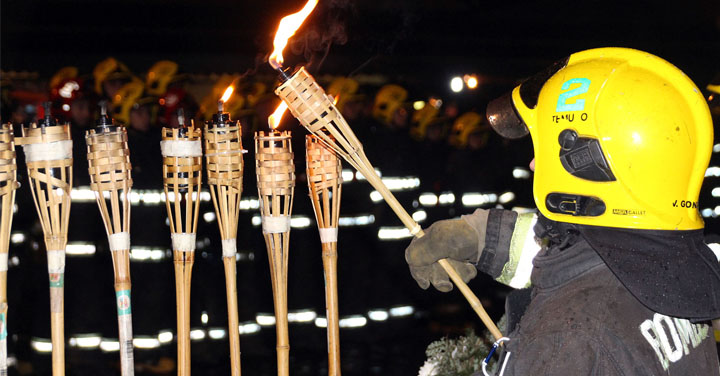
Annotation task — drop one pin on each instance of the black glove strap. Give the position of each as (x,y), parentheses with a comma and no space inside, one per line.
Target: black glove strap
(498,233)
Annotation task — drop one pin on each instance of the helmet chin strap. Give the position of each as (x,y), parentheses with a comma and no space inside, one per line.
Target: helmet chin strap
(560,235)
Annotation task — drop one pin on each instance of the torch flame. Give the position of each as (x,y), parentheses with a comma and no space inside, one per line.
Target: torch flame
(227,94)
(275,117)
(287,28)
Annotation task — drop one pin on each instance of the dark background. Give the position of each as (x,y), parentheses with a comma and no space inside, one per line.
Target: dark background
(424,40)
(420,44)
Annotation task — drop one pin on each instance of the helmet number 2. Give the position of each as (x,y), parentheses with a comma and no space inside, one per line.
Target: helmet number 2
(564,98)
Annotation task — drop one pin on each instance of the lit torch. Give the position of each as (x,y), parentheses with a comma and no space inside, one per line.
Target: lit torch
(308,102)
(224,164)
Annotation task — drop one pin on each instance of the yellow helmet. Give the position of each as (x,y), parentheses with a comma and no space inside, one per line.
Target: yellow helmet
(343,89)
(125,98)
(159,77)
(109,69)
(463,127)
(622,138)
(713,99)
(61,75)
(387,101)
(423,117)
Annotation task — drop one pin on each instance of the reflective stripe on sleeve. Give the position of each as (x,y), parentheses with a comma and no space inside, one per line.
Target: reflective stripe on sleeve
(523,248)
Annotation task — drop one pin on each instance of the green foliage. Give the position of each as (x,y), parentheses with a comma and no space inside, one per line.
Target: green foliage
(460,356)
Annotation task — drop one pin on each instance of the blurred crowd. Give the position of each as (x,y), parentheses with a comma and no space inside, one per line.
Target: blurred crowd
(405,133)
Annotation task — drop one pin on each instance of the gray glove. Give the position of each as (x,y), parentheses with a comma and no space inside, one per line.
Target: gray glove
(453,239)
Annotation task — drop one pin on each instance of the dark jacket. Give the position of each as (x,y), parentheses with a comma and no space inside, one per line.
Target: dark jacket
(581,320)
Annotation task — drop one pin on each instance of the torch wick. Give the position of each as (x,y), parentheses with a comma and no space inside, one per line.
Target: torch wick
(220,107)
(283,72)
(181,117)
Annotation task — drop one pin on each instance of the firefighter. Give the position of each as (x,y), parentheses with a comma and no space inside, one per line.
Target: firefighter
(621,280)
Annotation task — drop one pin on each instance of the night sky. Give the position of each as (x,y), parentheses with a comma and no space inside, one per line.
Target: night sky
(403,38)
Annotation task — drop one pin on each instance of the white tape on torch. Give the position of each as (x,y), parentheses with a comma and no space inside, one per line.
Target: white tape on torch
(181,148)
(275,224)
(119,241)
(229,247)
(328,235)
(48,151)
(183,241)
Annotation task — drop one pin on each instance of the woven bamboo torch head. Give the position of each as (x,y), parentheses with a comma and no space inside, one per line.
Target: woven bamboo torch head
(224,152)
(48,155)
(110,173)
(275,174)
(316,111)
(182,172)
(225,166)
(324,174)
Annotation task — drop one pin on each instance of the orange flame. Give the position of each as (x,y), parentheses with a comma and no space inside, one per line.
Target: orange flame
(287,28)
(275,117)
(227,94)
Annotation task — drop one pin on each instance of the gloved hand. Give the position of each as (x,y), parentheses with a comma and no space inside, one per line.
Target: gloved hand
(453,239)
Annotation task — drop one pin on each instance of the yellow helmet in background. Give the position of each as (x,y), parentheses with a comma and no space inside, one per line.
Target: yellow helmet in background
(254,92)
(715,88)
(343,89)
(159,77)
(62,75)
(423,117)
(109,69)
(387,101)
(463,127)
(125,98)
(622,138)
(713,99)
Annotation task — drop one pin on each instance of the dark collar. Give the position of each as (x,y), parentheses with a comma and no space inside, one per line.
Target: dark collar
(554,267)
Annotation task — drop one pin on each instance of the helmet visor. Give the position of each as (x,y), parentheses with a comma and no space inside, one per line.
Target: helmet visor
(504,119)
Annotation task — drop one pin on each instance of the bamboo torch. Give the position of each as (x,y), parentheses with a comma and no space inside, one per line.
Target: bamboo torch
(308,102)
(325,183)
(48,153)
(182,169)
(224,163)
(109,167)
(276,182)
(8,185)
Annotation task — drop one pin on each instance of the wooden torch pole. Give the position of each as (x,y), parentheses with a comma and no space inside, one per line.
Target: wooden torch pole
(8,185)
(110,178)
(276,183)
(182,169)
(325,183)
(48,154)
(224,165)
